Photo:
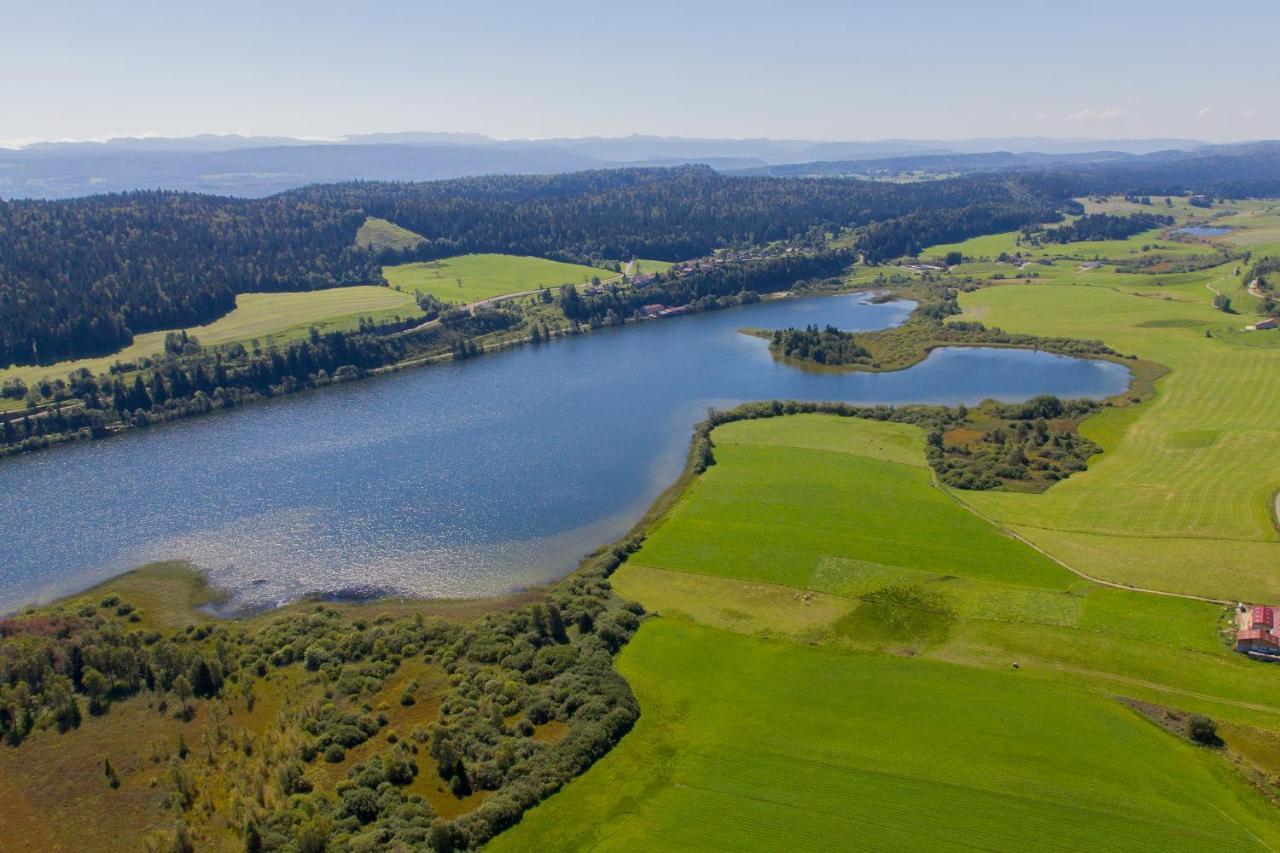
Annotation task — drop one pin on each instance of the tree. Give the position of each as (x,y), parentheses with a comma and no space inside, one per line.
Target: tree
(1203,730)
(110,772)
(182,689)
(252,837)
(97,688)
(555,622)
(361,803)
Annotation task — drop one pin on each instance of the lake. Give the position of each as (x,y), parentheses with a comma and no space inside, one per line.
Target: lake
(462,479)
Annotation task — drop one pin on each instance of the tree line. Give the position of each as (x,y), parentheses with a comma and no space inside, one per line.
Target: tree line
(1104,226)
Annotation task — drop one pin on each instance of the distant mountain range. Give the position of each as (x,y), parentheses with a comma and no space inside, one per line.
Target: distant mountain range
(254,166)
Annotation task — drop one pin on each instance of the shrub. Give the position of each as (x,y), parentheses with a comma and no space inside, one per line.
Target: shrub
(1203,730)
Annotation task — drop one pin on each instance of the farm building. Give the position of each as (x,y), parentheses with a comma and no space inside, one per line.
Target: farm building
(1256,631)
(1269,323)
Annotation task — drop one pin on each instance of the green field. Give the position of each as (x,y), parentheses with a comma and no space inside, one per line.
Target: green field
(788,704)
(469,278)
(1138,246)
(1182,498)
(644,266)
(381,235)
(282,316)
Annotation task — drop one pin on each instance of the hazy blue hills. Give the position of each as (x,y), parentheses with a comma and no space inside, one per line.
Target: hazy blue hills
(254,166)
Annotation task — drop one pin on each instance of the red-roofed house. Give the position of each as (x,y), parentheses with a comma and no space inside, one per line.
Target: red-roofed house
(1257,640)
(1256,634)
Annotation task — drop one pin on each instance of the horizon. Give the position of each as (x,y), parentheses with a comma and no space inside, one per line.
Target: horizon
(348,138)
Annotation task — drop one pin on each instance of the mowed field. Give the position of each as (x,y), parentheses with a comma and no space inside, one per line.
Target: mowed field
(468,278)
(824,672)
(1183,497)
(646,266)
(282,316)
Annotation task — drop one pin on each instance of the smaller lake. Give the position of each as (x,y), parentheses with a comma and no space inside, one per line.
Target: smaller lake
(462,479)
(1203,231)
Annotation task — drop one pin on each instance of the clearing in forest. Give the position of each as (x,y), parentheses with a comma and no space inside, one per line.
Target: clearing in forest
(468,278)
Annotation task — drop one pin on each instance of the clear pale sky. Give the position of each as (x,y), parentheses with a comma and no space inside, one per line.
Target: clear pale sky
(813,70)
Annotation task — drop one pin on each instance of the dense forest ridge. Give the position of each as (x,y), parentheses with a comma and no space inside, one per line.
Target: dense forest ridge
(81,277)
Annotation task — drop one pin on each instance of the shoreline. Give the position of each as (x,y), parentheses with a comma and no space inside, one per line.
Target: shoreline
(1139,379)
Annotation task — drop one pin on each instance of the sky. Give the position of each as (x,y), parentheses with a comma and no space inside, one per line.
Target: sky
(853,70)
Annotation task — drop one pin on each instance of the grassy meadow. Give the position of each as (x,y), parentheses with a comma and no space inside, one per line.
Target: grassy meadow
(279,316)
(831,666)
(468,278)
(381,235)
(644,266)
(1182,498)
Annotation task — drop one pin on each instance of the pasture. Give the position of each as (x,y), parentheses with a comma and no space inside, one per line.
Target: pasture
(1181,499)
(645,266)
(381,235)
(469,278)
(820,674)
(262,316)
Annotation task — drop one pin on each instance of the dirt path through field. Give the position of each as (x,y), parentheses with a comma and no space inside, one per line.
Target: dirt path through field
(1102,581)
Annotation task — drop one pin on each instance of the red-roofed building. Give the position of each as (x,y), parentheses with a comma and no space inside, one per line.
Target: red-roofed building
(1256,634)
(1257,640)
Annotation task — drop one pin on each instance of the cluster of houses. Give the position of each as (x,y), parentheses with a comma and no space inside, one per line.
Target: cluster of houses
(657,309)
(1256,632)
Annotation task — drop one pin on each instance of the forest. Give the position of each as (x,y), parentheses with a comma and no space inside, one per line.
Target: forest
(80,277)
(1104,226)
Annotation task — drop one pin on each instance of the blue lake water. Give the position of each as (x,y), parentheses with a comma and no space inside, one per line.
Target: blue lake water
(1203,231)
(464,479)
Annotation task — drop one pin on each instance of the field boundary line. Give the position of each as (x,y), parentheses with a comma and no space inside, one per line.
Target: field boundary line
(1102,581)
(1116,534)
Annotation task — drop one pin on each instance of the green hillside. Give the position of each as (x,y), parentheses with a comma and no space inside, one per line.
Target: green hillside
(822,673)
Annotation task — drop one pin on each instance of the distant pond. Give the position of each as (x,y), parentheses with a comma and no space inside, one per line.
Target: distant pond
(464,479)
(1202,231)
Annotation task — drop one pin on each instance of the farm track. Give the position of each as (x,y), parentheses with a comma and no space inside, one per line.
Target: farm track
(1073,569)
